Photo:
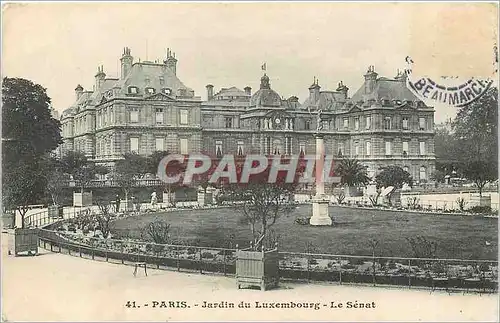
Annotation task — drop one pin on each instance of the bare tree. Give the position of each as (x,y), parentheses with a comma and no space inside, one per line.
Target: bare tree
(158,231)
(422,247)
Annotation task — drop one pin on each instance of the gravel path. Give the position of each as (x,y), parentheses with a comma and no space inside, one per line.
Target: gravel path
(55,287)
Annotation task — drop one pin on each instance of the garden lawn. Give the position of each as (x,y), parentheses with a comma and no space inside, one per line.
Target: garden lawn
(459,237)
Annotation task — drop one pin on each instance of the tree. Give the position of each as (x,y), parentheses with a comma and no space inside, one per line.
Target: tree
(262,203)
(481,173)
(128,170)
(83,171)
(476,129)
(56,179)
(28,133)
(352,172)
(158,231)
(392,176)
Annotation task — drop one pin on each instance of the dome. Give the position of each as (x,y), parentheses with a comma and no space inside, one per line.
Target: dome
(265,96)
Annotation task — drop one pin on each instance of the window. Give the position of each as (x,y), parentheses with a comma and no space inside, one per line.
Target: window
(277,147)
(184,116)
(159,116)
(368,148)
(423,173)
(134,115)
(368,122)
(159,144)
(346,123)
(422,148)
(405,148)
(307,125)
(162,80)
(267,147)
(387,123)
(288,145)
(405,123)
(302,148)
(356,124)
(184,146)
(387,148)
(167,91)
(421,123)
(218,148)
(356,149)
(406,169)
(341,149)
(150,90)
(111,116)
(229,122)
(134,144)
(133,90)
(239,150)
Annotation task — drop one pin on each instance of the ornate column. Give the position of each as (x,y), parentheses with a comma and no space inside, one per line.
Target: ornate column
(320,202)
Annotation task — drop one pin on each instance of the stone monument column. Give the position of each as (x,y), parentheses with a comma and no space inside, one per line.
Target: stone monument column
(320,201)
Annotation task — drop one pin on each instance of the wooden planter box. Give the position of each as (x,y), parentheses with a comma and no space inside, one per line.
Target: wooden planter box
(8,220)
(82,199)
(204,198)
(55,211)
(25,240)
(257,268)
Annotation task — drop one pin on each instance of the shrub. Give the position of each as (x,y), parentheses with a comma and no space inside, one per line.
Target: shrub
(302,220)
(356,261)
(207,255)
(480,209)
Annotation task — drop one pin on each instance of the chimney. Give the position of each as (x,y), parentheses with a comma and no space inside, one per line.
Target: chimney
(314,91)
(401,76)
(210,92)
(370,79)
(78,91)
(343,89)
(248,90)
(171,61)
(126,61)
(99,77)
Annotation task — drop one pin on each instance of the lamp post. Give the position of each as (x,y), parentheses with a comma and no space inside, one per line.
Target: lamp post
(320,202)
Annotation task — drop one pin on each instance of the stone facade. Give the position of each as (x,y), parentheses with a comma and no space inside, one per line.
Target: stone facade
(148,108)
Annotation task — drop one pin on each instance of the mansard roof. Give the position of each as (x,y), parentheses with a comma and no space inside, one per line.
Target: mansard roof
(151,75)
(387,89)
(328,100)
(232,92)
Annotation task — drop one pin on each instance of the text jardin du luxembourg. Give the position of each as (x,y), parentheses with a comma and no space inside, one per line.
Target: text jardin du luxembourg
(291,305)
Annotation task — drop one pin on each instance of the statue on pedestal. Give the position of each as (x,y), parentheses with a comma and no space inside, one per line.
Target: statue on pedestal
(154,199)
(319,122)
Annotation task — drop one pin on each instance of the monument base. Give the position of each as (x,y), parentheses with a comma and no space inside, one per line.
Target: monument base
(320,212)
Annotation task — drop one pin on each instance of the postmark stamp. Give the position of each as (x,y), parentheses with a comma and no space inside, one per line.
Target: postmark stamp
(453,91)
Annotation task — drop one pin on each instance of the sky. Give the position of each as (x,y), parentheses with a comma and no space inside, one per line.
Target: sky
(60,45)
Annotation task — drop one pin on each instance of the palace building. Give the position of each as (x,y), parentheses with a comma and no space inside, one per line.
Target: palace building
(148,108)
